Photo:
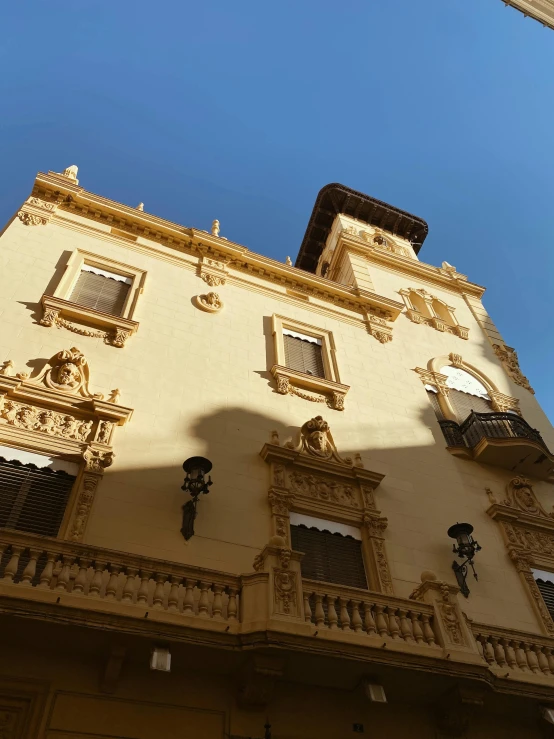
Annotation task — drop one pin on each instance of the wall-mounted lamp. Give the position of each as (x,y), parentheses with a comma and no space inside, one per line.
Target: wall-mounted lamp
(466,550)
(160,659)
(196,484)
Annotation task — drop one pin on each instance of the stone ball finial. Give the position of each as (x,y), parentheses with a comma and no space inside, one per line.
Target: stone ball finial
(140,206)
(428,575)
(215,228)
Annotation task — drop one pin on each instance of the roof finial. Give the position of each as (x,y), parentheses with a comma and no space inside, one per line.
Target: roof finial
(71,172)
(289,262)
(140,206)
(215,228)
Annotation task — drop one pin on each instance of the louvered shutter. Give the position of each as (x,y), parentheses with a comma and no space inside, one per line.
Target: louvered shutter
(304,356)
(32,499)
(329,557)
(464,403)
(547,591)
(100,292)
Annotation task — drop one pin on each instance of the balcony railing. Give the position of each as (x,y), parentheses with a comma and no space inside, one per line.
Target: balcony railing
(338,608)
(500,439)
(44,569)
(518,653)
(478,426)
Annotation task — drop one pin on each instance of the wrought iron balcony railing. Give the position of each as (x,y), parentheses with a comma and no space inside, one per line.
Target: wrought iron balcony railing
(478,426)
(499,438)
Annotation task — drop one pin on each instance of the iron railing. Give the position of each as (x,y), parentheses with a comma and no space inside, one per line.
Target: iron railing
(479,426)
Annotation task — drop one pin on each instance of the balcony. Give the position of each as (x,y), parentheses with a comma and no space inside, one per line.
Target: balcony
(501,439)
(60,582)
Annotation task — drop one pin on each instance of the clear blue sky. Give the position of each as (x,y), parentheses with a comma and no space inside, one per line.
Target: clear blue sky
(243,110)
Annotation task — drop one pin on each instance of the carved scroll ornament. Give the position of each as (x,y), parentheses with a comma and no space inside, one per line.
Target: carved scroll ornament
(508,356)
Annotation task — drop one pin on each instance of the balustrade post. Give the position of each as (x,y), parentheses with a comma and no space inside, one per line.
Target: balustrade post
(204,603)
(10,571)
(381,621)
(142,595)
(81,579)
(307,607)
(369,623)
(188,600)
(158,597)
(356,618)
(217,605)
(48,571)
(521,657)
(65,573)
(173,597)
(416,627)
(394,628)
(111,587)
(232,605)
(405,625)
(96,582)
(130,584)
(31,568)
(319,612)
(510,654)
(344,615)
(331,612)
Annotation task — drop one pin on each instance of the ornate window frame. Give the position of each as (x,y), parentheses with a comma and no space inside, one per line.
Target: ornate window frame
(329,389)
(55,414)
(58,310)
(311,478)
(433,377)
(528,532)
(432,318)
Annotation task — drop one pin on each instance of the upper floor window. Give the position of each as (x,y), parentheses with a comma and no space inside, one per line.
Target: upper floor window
(303,353)
(466,392)
(102,290)
(545,583)
(332,552)
(34,490)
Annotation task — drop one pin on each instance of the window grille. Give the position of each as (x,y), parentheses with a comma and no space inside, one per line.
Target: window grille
(32,499)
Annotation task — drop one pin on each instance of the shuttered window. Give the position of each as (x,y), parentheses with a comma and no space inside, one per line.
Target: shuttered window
(464,403)
(329,557)
(547,591)
(303,354)
(101,290)
(32,499)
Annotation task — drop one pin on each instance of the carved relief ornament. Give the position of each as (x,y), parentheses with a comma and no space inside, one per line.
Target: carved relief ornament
(311,477)
(211,302)
(56,413)
(508,356)
(528,531)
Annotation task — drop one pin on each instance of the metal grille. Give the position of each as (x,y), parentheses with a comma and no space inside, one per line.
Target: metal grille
(547,592)
(100,292)
(304,356)
(32,499)
(329,557)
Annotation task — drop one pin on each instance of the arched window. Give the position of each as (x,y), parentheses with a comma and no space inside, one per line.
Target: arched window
(467,393)
(441,310)
(419,304)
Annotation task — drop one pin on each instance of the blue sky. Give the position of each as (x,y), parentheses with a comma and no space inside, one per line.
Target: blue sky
(242,111)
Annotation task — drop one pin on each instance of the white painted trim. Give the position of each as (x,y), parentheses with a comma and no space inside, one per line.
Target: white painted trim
(543,575)
(304,337)
(97,271)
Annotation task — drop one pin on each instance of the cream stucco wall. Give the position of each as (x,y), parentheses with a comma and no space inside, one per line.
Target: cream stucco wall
(199,383)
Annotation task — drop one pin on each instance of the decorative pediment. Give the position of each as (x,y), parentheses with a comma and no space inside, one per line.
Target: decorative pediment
(520,505)
(316,440)
(56,410)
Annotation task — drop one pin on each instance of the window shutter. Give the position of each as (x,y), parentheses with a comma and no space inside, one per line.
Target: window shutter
(100,292)
(304,356)
(464,403)
(329,557)
(32,499)
(547,591)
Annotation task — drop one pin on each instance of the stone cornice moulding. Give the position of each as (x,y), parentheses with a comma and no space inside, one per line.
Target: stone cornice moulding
(453,281)
(134,224)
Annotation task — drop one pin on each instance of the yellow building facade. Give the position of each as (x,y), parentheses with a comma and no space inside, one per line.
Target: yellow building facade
(540,10)
(354,408)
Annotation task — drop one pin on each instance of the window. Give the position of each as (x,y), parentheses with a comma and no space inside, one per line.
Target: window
(303,353)
(466,393)
(104,291)
(333,556)
(305,360)
(34,498)
(545,583)
(99,295)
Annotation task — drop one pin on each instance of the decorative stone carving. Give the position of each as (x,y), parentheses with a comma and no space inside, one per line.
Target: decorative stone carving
(279,479)
(521,495)
(215,228)
(508,356)
(285,592)
(435,379)
(280,503)
(385,578)
(449,617)
(315,486)
(369,498)
(97,461)
(317,441)
(211,303)
(120,336)
(68,372)
(104,432)
(432,319)
(283,384)
(456,359)
(71,173)
(31,219)
(83,506)
(47,421)
(44,204)
(50,317)
(503,403)
(213,280)
(7,368)
(114,396)
(375,525)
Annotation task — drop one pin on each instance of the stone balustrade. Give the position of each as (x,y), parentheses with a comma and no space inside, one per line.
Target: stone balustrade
(336,607)
(36,566)
(513,653)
